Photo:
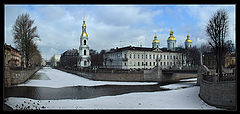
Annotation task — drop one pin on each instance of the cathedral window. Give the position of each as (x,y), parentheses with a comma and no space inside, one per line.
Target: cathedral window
(85,52)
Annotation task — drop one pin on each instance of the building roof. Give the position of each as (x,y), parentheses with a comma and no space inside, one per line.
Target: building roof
(9,47)
(139,49)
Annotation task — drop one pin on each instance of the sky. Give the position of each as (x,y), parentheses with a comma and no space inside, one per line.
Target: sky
(111,26)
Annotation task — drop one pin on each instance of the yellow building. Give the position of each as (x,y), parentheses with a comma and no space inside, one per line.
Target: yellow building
(230,60)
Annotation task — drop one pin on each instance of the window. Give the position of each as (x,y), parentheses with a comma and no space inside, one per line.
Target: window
(125,55)
(84,52)
(85,63)
(164,63)
(125,64)
(170,57)
(150,63)
(130,56)
(153,56)
(167,56)
(146,63)
(150,57)
(164,57)
(142,64)
(146,56)
(161,63)
(153,63)
(84,42)
(138,63)
(138,56)
(134,56)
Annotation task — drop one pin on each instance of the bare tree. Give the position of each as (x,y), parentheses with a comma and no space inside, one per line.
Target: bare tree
(217,30)
(24,33)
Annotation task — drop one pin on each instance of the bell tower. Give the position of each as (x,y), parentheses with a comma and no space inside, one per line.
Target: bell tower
(84,60)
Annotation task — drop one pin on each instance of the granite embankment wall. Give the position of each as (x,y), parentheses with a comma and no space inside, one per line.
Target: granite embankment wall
(153,75)
(219,94)
(12,77)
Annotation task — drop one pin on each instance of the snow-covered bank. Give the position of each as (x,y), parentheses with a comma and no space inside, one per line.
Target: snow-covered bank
(60,79)
(186,98)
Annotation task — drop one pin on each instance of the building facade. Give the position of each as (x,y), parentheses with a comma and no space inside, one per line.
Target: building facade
(69,58)
(141,58)
(84,60)
(12,56)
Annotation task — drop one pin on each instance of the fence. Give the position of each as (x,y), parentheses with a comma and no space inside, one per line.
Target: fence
(217,78)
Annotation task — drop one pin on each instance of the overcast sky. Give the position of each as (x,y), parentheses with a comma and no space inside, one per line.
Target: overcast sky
(110,26)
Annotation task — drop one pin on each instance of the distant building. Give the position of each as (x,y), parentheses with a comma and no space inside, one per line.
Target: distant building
(69,58)
(230,60)
(209,60)
(43,62)
(12,56)
(55,60)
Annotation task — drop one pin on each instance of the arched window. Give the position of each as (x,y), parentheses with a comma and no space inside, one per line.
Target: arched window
(85,52)
(84,42)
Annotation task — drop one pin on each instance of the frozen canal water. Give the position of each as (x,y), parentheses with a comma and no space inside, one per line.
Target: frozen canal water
(54,89)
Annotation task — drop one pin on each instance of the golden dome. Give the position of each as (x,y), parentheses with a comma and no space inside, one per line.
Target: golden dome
(155,36)
(84,34)
(155,41)
(171,38)
(188,40)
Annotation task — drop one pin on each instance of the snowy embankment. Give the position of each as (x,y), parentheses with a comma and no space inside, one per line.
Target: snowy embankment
(58,79)
(173,99)
(182,96)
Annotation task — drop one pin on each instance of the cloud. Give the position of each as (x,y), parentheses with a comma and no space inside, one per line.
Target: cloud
(59,26)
